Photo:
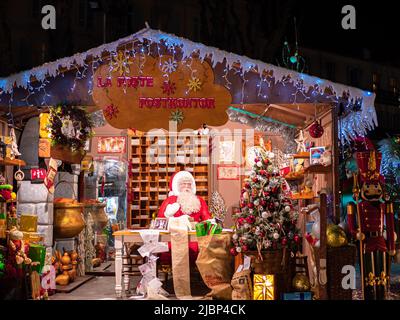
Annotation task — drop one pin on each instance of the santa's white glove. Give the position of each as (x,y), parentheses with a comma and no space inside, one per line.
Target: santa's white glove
(171,209)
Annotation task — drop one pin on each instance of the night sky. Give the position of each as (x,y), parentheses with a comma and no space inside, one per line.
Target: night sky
(377,29)
(318,24)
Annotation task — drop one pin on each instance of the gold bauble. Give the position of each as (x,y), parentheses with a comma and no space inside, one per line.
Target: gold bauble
(301,283)
(335,236)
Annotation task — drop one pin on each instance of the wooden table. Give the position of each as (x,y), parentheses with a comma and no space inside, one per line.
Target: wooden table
(132,236)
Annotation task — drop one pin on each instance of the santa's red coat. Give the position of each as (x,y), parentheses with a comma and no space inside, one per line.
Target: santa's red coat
(201,215)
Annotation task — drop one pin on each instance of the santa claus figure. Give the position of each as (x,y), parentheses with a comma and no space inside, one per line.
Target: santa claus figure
(182,200)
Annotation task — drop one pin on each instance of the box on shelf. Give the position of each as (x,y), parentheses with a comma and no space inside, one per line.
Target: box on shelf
(297,296)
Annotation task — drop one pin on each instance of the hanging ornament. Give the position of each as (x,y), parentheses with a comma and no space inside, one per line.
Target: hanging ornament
(168,87)
(121,64)
(169,66)
(194,84)
(316,130)
(301,147)
(14,146)
(19,175)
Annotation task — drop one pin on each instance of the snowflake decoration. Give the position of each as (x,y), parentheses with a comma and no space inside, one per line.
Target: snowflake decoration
(121,64)
(169,66)
(177,116)
(168,87)
(194,84)
(111,111)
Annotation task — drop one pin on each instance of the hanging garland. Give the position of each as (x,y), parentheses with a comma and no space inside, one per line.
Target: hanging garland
(70,126)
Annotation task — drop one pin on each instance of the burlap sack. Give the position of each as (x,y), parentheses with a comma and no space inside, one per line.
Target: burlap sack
(215,264)
(242,285)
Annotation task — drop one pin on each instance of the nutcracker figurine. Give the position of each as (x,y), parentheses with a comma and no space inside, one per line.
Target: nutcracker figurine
(375,225)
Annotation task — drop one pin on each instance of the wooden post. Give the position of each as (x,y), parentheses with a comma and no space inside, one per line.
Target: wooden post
(335,165)
(321,252)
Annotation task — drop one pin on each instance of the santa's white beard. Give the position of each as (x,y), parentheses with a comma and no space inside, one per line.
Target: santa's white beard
(189,202)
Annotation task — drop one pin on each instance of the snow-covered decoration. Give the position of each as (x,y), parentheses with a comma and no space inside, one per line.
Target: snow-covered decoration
(288,132)
(354,123)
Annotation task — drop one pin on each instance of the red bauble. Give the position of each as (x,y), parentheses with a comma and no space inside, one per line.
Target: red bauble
(250,219)
(250,205)
(256,160)
(263,172)
(284,242)
(271,206)
(263,203)
(245,248)
(266,194)
(316,130)
(233,251)
(266,161)
(240,221)
(255,180)
(296,238)
(247,185)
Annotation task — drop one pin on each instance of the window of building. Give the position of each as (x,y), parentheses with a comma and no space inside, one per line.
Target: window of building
(393,85)
(375,81)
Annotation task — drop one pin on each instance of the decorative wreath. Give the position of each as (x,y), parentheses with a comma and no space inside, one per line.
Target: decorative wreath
(70,126)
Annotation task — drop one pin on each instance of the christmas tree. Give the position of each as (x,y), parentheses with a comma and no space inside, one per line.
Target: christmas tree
(217,207)
(267,220)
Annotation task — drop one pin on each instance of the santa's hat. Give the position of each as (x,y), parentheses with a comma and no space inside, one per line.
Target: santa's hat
(174,182)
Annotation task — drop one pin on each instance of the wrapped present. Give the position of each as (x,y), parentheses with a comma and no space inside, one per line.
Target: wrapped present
(37,253)
(263,287)
(28,223)
(207,227)
(297,296)
(33,237)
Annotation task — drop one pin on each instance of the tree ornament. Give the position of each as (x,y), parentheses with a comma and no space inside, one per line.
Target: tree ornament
(245,248)
(316,130)
(250,205)
(284,241)
(238,249)
(233,252)
(194,84)
(265,215)
(235,236)
(287,209)
(276,236)
(259,164)
(296,238)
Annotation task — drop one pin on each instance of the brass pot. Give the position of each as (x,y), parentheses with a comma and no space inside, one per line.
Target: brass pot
(68,220)
(99,215)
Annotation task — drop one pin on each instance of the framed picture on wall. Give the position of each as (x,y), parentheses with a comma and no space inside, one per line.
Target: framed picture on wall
(111,145)
(227,151)
(228,172)
(316,155)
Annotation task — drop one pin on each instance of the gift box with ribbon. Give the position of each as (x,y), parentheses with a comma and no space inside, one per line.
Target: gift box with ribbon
(28,223)
(207,227)
(37,253)
(263,287)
